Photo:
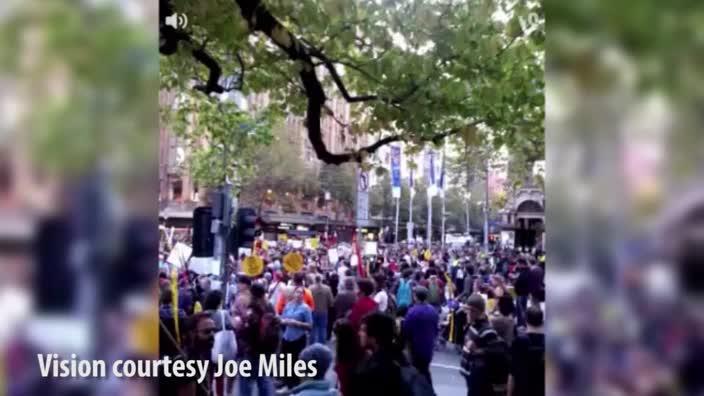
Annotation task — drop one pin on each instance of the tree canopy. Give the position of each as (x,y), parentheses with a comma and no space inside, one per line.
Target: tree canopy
(411,70)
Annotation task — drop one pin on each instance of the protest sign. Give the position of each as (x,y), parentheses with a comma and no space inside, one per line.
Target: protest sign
(179,255)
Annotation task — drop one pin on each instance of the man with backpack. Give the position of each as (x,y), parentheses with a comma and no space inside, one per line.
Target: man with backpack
(528,357)
(404,295)
(436,292)
(485,356)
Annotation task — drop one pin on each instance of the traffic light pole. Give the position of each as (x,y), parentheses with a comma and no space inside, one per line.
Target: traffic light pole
(221,228)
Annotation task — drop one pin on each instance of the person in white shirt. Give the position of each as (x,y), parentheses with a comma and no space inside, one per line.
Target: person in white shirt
(382,296)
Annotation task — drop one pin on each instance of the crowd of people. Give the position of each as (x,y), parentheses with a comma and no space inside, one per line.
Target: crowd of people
(373,330)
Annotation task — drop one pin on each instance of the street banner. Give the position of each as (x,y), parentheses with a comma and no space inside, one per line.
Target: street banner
(430,167)
(430,171)
(362,196)
(396,171)
(441,179)
(409,232)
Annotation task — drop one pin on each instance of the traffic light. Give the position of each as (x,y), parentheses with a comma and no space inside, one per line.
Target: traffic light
(247,228)
(202,241)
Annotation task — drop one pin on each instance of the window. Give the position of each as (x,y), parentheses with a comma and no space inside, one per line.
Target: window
(177,190)
(194,195)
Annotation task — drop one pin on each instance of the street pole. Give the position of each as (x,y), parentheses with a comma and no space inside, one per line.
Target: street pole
(221,228)
(398,202)
(429,231)
(443,220)
(466,202)
(410,215)
(486,208)
(442,191)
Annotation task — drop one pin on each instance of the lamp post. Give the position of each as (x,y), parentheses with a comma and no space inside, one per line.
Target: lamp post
(327,214)
(467,201)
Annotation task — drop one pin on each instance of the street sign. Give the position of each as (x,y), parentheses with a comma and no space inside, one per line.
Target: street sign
(362,181)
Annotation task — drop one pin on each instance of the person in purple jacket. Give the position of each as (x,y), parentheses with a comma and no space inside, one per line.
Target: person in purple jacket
(420,331)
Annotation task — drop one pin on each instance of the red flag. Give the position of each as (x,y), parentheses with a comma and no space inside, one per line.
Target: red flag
(360,263)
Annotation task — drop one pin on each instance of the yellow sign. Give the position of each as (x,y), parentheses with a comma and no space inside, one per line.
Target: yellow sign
(490,305)
(283,237)
(293,262)
(314,243)
(253,266)
(428,255)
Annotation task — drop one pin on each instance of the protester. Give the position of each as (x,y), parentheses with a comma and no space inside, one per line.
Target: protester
(385,371)
(298,283)
(364,304)
(404,296)
(323,301)
(345,299)
(379,374)
(259,335)
(504,322)
(381,297)
(242,298)
(276,287)
(436,294)
(297,320)
(316,385)
(348,355)
(200,338)
(527,376)
(420,331)
(485,356)
(401,307)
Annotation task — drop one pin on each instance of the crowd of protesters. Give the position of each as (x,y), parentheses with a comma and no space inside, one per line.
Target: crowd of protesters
(376,325)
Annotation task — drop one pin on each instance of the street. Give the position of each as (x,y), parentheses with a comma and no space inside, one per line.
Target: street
(447,380)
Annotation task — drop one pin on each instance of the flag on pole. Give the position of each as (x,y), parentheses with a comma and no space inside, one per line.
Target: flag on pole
(430,170)
(358,254)
(396,171)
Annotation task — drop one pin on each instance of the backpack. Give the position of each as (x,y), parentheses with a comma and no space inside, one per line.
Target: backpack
(269,333)
(391,304)
(434,294)
(489,370)
(225,343)
(403,294)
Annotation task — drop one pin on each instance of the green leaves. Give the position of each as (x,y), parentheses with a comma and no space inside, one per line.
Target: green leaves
(221,138)
(433,65)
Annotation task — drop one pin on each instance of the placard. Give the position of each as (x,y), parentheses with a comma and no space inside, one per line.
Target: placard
(179,255)
(333,256)
(370,248)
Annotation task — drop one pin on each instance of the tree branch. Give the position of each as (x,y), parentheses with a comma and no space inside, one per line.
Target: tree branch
(331,113)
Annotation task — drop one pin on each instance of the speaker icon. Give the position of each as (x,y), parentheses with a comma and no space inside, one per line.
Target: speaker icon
(177,21)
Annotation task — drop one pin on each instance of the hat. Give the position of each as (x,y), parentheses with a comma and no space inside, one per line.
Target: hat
(320,354)
(477,302)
